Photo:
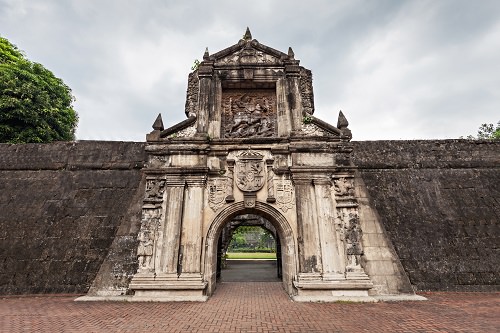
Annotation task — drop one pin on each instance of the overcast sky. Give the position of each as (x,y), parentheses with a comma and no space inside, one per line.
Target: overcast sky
(397,69)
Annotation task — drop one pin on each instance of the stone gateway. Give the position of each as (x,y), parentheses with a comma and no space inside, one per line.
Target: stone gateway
(251,145)
(150,220)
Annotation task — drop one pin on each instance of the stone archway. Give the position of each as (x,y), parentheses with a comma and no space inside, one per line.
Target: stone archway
(283,229)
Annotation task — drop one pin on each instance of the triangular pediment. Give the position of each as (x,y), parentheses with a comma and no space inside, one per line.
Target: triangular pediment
(248,51)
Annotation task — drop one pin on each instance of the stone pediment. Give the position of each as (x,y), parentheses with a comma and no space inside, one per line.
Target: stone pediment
(249,51)
(250,91)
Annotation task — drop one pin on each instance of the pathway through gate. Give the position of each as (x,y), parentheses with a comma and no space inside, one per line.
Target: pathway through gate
(250,271)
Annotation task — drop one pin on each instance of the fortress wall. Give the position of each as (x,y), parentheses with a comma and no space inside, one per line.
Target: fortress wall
(68,210)
(439,202)
(61,206)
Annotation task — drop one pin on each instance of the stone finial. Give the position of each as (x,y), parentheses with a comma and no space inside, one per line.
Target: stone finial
(206,55)
(291,55)
(247,35)
(158,124)
(342,121)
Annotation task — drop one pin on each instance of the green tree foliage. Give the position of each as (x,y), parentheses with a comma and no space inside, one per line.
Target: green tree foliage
(489,131)
(35,106)
(251,238)
(486,132)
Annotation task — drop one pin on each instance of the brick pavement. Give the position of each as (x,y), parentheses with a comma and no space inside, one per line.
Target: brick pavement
(252,307)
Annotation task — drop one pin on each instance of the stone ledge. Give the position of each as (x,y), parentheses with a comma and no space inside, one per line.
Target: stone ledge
(142,299)
(332,299)
(399,298)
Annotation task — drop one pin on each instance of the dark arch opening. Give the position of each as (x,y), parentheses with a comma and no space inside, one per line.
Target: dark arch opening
(284,232)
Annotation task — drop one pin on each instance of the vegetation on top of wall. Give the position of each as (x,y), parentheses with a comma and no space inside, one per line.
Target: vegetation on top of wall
(487,132)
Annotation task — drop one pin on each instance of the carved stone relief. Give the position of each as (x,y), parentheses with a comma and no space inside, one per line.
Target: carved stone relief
(306,90)
(150,223)
(154,190)
(343,187)
(312,130)
(192,93)
(156,161)
(250,169)
(350,234)
(284,194)
(248,55)
(248,113)
(188,132)
(216,193)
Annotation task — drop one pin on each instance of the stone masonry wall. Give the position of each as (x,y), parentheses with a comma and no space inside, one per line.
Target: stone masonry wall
(439,202)
(61,206)
(69,210)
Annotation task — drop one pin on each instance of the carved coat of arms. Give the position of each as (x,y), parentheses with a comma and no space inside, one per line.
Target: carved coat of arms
(250,172)
(284,194)
(216,193)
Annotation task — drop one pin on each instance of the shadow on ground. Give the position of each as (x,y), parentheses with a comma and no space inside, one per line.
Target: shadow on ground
(250,271)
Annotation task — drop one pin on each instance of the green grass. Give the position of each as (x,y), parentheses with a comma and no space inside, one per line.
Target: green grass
(251,255)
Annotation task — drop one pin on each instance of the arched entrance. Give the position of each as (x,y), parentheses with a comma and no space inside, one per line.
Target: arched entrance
(259,239)
(283,231)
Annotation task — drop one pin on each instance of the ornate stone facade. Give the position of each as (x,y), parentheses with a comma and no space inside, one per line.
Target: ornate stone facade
(251,145)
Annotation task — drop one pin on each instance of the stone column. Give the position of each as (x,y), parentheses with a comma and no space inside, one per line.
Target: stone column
(168,254)
(192,224)
(331,257)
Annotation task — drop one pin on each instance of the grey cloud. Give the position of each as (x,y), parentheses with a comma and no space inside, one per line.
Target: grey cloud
(399,69)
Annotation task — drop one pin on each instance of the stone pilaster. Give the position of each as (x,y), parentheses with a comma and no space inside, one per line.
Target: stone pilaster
(270,181)
(230,181)
(310,263)
(191,236)
(294,99)
(172,227)
(205,72)
(331,258)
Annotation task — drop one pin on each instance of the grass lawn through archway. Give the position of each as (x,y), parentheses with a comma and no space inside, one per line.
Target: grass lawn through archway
(250,255)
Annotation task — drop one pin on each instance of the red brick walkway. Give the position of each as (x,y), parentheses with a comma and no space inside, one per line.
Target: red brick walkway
(253,307)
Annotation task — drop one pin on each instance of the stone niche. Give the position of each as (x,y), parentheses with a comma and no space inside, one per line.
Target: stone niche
(251,146)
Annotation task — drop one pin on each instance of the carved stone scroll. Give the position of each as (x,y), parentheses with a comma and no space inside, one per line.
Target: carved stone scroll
(249,113)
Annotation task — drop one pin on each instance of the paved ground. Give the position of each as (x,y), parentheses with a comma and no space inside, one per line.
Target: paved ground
(253,307)
(250,271)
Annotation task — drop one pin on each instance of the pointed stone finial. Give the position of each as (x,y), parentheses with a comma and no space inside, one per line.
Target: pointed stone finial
(342,121)
(158,124)
(206,55)
(291,55)
(247,35)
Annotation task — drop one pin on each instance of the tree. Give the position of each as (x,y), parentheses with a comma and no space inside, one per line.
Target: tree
(486,132)
(35,106)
